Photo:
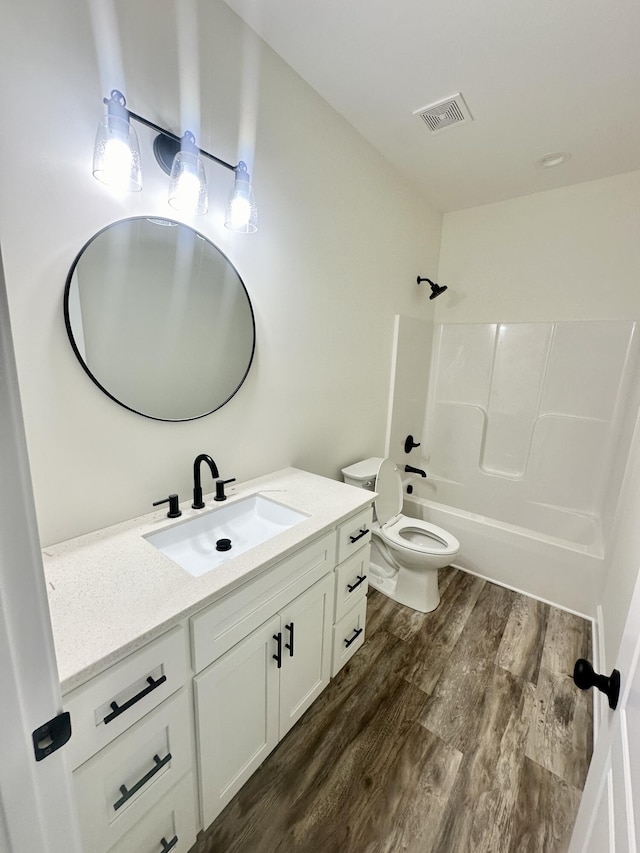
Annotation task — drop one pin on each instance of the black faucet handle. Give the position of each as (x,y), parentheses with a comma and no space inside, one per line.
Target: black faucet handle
(174,508)
(220,484)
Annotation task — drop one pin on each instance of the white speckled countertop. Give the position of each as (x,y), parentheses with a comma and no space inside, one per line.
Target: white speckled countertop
(110,591)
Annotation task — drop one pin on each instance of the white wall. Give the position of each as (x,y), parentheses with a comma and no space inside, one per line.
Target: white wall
(566,254)
(341,241)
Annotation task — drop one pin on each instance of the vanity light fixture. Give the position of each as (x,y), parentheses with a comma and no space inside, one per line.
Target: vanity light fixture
(188,182)
(116,162)
(242,213)
(116,155)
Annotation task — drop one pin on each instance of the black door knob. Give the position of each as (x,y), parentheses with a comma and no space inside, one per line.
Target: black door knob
(585,678)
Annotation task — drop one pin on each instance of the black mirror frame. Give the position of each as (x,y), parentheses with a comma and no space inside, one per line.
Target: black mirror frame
(85,367)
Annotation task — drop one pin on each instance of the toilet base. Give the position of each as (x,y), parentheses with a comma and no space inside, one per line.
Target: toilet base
(417,590)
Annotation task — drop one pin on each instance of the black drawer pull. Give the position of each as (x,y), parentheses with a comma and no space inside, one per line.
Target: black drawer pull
(168,845)
(278,655)
(120,709)
(289,645)
(128,793)
(352,586)
(356,634)
(363,532)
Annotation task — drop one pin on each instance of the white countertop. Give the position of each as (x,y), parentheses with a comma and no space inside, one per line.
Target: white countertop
(111,591)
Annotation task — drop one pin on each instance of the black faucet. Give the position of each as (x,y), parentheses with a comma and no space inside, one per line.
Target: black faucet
(409,469)
(198,503)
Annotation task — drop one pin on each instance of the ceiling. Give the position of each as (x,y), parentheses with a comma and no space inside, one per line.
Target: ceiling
(538,76)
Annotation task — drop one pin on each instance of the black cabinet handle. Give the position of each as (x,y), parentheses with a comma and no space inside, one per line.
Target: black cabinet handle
(289,645)
(363,532)
(168,845)
(278,655)
(120,709)
(128,793)
(352,586)
(356,634)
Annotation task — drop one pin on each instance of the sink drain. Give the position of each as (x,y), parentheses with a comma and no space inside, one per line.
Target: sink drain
(223,545)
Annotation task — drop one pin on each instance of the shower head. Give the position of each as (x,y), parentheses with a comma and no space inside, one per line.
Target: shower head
(436,289)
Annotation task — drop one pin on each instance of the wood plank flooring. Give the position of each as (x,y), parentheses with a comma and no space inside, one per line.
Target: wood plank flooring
(448,732)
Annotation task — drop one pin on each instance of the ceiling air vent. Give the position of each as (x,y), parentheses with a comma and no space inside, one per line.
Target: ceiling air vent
(446,113)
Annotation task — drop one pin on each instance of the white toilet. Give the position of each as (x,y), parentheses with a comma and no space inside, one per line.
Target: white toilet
(406,552)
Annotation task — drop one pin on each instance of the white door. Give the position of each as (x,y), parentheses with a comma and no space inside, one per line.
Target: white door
(609,814)
(37,809)
(306,651)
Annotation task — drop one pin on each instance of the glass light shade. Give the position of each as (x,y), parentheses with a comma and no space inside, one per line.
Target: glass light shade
(242,212)
(188,184)
(116,155)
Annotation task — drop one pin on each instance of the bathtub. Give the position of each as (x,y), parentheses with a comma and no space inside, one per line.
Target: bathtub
(557,570)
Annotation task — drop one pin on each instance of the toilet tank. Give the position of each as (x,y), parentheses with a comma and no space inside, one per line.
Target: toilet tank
(363,474)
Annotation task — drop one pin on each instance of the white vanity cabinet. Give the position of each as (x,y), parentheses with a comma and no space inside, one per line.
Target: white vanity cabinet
(250,696)
(164,738)
(350,605)
(132,752)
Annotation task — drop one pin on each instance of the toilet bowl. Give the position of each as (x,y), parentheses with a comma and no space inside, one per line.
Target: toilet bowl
(406,552)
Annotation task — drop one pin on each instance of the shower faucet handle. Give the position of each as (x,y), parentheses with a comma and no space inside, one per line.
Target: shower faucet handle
(409,444)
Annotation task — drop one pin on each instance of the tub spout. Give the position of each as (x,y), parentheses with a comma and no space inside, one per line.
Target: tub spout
(409,469)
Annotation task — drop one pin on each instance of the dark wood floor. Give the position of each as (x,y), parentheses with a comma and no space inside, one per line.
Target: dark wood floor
(448,732)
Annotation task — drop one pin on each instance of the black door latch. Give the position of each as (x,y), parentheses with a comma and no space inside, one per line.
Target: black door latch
(52,735)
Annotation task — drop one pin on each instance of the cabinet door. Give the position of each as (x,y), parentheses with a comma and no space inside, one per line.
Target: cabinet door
(237,716)
(306,651)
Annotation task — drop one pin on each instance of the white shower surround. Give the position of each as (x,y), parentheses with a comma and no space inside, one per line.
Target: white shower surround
(525,440)
(523,421)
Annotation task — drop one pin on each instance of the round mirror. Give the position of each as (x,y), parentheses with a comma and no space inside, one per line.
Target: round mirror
(160,319)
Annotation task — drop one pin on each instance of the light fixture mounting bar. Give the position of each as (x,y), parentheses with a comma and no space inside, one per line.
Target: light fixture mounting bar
(158,129)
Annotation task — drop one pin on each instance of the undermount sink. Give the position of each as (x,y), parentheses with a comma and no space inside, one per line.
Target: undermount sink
(205,542)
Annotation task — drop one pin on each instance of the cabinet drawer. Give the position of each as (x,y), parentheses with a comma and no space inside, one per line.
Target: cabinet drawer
(170,825)
(348,635)
(354,534)
(107,705)
(116,787)
(218,628)
(351,582)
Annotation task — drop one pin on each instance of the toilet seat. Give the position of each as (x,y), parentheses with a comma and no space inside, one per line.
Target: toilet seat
(438,541)
(396,528)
